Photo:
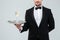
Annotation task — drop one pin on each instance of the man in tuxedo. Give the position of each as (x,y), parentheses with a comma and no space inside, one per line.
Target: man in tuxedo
(39,21)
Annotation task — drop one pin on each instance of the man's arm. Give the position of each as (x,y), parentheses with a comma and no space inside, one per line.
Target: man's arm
(51,22)
(26,25)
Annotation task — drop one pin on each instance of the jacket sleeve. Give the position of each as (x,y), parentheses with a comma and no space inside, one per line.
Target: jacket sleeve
(51,21)
(26,25)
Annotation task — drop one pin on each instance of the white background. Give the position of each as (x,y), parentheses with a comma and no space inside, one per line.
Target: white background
(7,12)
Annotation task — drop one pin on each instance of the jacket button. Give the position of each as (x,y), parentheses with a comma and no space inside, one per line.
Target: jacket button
(37,35)
(38,30)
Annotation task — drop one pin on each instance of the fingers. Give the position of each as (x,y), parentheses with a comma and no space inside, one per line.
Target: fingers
(18,25)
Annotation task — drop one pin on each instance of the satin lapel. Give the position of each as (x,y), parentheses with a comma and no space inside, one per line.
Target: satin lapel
(33,18)
(43,15)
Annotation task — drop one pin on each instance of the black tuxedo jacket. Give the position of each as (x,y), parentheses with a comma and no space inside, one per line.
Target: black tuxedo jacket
(47,24)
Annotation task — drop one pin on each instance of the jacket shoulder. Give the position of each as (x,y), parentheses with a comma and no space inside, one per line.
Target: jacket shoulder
(46,8)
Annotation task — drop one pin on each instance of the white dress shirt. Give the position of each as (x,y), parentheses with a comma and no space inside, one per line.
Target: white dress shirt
(38,15)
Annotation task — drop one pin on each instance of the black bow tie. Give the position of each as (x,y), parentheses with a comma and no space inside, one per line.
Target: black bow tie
(38,8)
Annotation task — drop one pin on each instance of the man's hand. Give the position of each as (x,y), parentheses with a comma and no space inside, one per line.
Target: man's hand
(18,26)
